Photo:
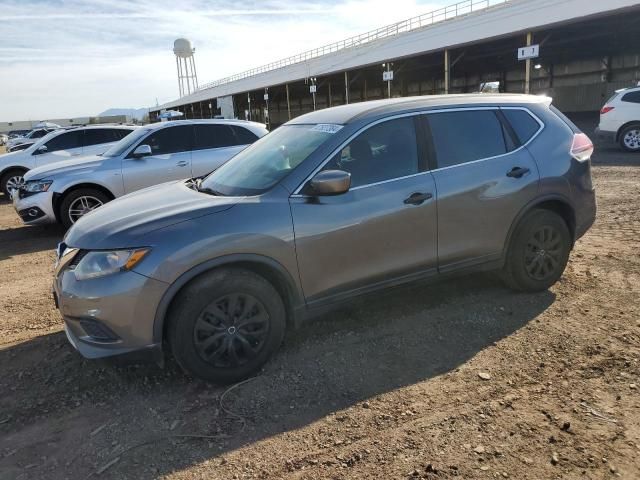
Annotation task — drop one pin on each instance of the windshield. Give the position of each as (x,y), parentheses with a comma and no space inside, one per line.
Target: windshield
(266,162)
(120,147)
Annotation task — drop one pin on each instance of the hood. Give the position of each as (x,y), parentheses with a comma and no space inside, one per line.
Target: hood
(122,222)
(76,165)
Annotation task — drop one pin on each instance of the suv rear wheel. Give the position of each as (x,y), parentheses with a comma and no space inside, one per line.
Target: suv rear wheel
(630,138)
(226,324)
(10,180)
(80,202)
(538,253)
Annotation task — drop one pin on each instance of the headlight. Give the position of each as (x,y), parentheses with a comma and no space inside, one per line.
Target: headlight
(99,264)
(37,186)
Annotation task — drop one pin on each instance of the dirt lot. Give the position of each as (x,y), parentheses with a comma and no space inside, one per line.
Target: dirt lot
(387,389)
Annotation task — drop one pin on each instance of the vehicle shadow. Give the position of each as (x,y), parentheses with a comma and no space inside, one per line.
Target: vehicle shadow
(24,239)
(380,344)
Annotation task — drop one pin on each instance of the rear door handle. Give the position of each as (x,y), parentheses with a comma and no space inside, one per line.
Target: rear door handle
(182,163)
(417,198)
(517,172)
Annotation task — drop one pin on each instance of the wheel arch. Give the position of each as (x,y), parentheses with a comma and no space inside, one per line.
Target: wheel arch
(628,124)
(555,203)
(58,197)
(268,268)
(13,167)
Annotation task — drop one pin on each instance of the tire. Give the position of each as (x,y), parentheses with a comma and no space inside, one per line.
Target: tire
(630,138)
(538,253)
(209,345)
(84,198)
(9,179)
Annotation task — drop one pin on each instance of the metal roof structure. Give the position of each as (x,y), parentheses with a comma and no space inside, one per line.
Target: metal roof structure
(457,25)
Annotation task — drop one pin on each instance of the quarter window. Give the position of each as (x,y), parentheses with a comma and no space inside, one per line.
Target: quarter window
(631,97)
(383,152)
(244,136)
(169,140)
(464,136)
(522,123)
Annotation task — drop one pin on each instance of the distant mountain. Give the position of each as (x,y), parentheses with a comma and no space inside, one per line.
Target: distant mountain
(132,112)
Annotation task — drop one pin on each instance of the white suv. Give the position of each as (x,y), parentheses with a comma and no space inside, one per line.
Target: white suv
(56,147)
(153,154)
(620,119)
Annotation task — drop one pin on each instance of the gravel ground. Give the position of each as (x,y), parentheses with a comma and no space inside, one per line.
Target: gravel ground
(460,379)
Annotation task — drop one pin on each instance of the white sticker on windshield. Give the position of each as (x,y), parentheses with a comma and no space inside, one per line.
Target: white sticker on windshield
(327,128)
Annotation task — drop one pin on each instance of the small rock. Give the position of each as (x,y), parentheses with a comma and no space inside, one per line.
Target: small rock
(484,468)
(554,459)
(566,426)
(366,405)
(484,375)
(612,469)
(633,386)
(479,449)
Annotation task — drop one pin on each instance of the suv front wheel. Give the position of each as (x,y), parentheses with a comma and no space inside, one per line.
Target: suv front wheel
(226,324)
(538,253)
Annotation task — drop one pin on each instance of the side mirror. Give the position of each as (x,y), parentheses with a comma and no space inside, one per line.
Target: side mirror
(141,151)
(330,182)
(42,149)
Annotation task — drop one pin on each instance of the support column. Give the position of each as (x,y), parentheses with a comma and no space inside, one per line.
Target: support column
(330,102)
(346,87)
(288,103)
(447,78)
(527,75)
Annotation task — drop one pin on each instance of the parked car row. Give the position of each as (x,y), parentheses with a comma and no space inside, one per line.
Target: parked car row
(20,142)
(65,191)
(214,268)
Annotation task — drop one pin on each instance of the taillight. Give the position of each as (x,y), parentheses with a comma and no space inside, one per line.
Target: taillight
(581,148)
(606,109)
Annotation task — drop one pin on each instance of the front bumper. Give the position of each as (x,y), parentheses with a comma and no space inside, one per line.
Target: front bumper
(35,209)
(111,315)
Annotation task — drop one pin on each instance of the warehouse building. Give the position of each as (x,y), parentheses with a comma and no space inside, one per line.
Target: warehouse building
(576,51)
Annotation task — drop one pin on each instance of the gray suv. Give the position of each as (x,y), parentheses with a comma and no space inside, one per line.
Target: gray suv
(333,204)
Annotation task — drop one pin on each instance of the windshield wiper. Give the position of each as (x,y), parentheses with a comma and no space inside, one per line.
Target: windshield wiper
(197,186)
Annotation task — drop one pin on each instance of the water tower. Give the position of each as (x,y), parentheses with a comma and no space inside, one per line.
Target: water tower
(187,77)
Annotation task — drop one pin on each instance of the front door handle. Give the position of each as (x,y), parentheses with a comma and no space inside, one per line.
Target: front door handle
(517,172)
(417,198)
(182,163)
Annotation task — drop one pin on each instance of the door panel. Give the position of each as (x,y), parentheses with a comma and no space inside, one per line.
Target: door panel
(478,199)
(206,161)
(364,236)
(383,228)
(170,159)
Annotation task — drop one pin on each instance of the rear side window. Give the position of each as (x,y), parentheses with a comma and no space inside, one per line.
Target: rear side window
(96,136)
(39,133)
(244,136)
(170,140)
(65,141)
(119,133)
(213,136)
(631,97)
(522,123)
(465,136)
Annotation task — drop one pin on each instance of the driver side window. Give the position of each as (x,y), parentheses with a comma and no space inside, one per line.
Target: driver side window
(383,152)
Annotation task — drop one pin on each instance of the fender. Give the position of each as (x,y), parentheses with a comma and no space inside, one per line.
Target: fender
(526,209)
(296,298)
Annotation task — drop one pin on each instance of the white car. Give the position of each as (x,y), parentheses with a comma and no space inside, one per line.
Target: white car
(620,119)
(153,154)
(31,137)
(56,147)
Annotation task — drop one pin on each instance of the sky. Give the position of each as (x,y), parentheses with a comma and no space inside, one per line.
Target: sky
(66,58)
